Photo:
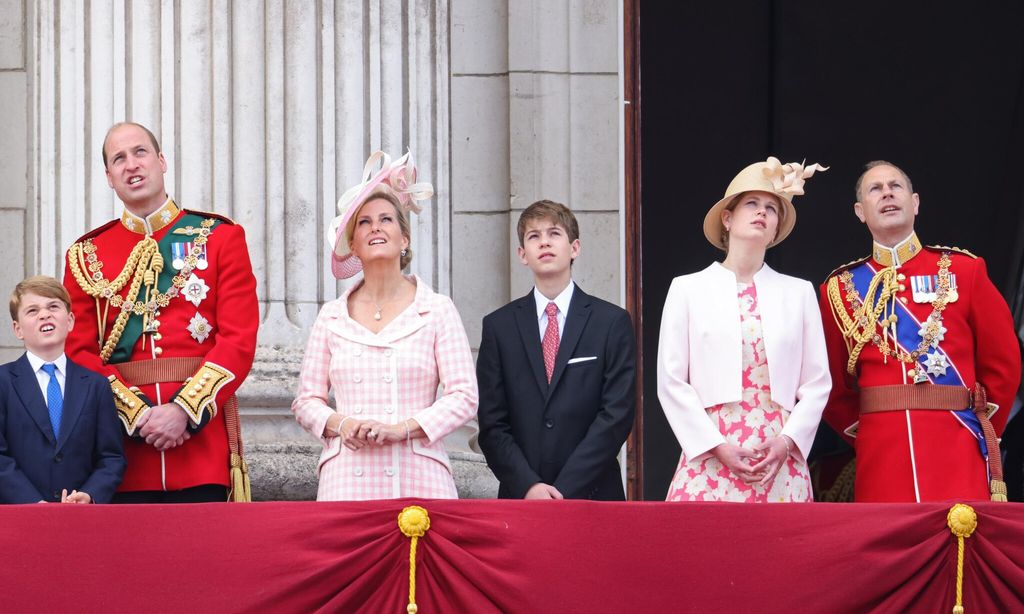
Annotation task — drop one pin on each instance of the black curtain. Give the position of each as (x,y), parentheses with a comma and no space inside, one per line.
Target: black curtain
(937,90)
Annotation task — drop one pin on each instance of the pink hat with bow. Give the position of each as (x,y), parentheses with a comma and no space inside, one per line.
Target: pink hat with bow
(400,176)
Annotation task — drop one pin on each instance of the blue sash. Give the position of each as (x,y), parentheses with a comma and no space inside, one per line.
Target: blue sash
(907,337)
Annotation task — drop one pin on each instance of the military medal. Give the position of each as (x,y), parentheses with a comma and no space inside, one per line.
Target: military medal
(936,364)
(926,288)
(180,252)
(933,330)
(195,290)
(199,327)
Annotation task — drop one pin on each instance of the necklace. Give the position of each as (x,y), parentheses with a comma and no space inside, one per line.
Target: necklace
(380,308)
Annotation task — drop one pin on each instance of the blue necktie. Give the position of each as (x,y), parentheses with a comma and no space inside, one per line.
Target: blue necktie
(54,399)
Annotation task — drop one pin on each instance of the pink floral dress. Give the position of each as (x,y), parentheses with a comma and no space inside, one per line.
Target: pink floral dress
(751,421)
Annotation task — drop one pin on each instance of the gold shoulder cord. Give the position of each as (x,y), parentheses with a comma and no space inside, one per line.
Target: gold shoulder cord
(140,260)
(860,328)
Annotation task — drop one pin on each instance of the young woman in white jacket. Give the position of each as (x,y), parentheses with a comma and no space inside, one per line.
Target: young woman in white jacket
(742,371)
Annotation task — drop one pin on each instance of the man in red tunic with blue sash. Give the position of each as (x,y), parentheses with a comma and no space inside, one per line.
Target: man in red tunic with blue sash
(923,357)
(165,307)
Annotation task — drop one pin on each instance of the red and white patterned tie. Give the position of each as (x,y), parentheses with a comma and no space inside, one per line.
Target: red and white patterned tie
(550,343)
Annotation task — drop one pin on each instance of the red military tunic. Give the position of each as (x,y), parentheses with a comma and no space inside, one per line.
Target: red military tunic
(209,313)
(922,454)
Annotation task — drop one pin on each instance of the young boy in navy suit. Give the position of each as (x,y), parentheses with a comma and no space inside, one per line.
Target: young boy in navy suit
(557,375)
(60,440)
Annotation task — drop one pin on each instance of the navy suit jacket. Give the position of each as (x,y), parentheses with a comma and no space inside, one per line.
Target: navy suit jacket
(89,457)
(567,433)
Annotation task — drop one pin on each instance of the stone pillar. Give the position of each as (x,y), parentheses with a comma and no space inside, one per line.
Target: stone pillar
(535,114)
(14,169)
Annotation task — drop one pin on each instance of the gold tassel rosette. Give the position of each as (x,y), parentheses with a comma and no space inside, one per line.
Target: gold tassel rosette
(962,521)
(414,522)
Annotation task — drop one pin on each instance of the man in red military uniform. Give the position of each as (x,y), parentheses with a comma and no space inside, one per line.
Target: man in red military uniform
(922,351)
(166,301)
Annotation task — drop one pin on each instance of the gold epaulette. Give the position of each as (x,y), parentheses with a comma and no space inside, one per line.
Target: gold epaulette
(198,394)
(209,214)
(840,269)
(946,248)
(129,404)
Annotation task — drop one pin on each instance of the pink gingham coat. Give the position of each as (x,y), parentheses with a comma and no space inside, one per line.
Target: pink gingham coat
(388,376)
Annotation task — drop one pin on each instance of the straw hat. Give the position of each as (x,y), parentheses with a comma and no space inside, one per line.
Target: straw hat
(400,176)
(781,180)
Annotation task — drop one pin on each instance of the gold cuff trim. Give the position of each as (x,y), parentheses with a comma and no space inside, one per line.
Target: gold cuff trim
(199,392)
(129,404)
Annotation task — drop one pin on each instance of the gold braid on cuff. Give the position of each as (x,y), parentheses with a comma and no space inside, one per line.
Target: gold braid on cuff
(129,404)
(199,392)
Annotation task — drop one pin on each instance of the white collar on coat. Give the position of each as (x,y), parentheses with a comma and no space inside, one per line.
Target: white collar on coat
(766,273)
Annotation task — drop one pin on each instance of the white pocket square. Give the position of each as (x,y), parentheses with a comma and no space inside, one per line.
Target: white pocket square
(581,359)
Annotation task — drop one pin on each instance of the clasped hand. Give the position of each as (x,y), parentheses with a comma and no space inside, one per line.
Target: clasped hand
(759,465)
(164,426)
(355,433)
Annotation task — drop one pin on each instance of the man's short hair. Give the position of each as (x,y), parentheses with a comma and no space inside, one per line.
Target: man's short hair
(873,164)
(551,211)
(103,148)
(40,285)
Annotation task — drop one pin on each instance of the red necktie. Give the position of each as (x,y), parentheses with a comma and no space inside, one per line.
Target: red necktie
(550,343)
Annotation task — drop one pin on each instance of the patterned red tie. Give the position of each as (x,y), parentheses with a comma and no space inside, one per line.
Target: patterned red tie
(550,343)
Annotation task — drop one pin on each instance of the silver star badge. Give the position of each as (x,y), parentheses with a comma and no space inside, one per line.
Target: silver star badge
(936,363)
(935,328)
(199,327)
(195,290)
(165,216)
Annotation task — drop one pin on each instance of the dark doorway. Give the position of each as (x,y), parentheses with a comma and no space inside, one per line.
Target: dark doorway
(938,91)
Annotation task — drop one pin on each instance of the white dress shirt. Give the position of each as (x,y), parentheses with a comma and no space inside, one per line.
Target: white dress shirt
(561,301)
(42,377)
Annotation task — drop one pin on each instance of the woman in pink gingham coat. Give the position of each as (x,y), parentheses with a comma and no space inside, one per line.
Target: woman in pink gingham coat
(384,348)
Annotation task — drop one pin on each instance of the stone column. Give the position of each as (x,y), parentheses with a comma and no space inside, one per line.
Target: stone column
(535,114)
(15,163)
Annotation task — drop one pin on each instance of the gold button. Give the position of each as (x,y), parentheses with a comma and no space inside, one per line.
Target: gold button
(903,300)
(191,393)
(901,277)
(902,287)
(158,351)
(131,404)
(911,373)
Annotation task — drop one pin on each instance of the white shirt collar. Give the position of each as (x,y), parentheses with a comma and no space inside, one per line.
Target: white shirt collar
(561,301)
(37,362)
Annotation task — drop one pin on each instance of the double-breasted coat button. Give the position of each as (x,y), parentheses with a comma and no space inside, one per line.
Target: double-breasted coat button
(549,423)
(387,352)
(357,378)
(389,472)
(358,472)
(357,410)
(387,379)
